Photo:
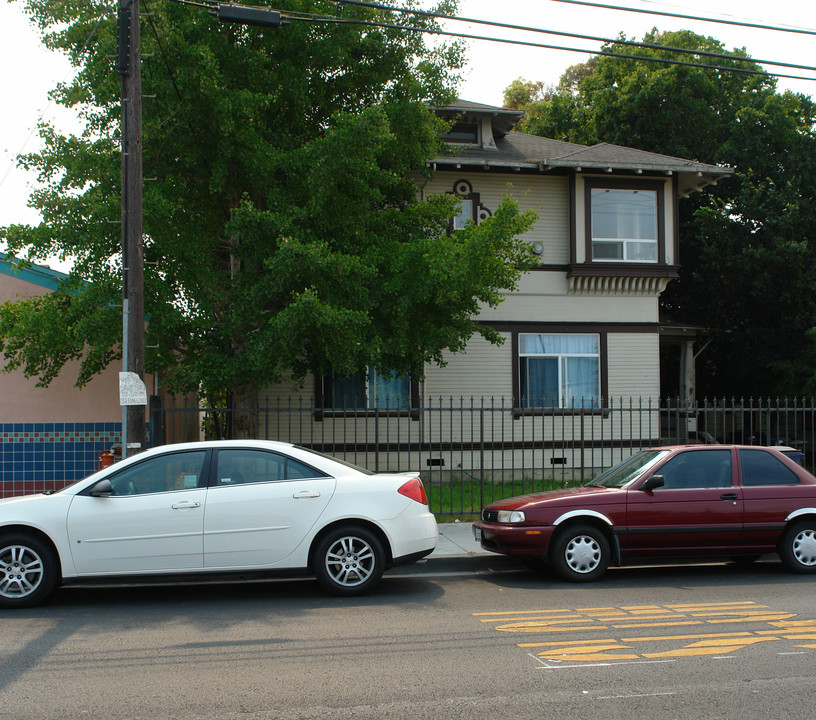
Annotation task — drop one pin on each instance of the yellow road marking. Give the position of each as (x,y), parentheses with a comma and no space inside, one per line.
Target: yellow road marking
(542,629)
(629,626)
(651,616)
(709,647)
(691,606)
(521,612)
(701,636)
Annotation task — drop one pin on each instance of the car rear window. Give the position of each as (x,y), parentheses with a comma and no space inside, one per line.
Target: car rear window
(760,467)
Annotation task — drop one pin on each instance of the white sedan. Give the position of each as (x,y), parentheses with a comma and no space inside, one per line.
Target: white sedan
(251,507)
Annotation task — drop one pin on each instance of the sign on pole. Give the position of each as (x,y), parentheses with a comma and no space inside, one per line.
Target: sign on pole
(132,390)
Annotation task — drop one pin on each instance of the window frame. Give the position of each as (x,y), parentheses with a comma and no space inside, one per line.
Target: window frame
(463,132)
(514,329)
(285,462)
(745,454)
(203,479)
(657,186)
(463,190)
(324,393)
(562,371)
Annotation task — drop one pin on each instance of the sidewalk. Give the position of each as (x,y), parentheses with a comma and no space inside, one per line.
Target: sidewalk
(458,551)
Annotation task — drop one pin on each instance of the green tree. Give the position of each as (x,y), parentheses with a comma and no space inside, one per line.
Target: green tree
(747,246)
(283,234)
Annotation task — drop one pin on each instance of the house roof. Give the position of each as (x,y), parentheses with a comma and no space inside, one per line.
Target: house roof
(36,274)
(520,151)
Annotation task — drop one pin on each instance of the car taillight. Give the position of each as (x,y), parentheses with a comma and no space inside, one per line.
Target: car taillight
(414,490)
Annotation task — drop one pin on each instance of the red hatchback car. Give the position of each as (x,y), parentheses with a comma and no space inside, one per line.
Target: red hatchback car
(673,502)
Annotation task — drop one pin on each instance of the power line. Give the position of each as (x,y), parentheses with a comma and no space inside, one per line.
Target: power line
(305,17)
(526,28)
(605,53)
(777,28)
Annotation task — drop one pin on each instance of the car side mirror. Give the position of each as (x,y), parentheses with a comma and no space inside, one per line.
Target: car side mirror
(102,489)
(655,481)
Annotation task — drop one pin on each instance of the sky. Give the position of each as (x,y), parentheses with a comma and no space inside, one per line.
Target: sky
(30,70)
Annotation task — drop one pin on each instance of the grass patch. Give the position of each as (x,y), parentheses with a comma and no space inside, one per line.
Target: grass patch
(464,500)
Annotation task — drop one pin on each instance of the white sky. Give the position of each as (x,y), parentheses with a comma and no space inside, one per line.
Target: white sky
(30,71)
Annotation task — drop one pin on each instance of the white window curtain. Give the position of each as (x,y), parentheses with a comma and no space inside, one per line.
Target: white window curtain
(559,370)
(371,390)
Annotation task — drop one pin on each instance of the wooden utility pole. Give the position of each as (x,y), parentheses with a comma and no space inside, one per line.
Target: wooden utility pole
(133,351)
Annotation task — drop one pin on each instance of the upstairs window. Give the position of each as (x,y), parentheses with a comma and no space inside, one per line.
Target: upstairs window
(559,371)
(624,225)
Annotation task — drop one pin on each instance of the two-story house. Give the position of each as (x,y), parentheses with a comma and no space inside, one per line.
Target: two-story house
(583,328)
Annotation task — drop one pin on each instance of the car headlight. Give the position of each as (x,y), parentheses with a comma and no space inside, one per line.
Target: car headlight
(510,516)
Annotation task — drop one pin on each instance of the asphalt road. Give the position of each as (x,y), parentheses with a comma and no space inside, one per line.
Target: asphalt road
(706,642)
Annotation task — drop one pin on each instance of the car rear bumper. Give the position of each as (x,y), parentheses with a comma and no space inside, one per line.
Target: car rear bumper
(412,536)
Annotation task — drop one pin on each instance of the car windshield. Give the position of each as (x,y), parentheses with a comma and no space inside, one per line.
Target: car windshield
(629,470)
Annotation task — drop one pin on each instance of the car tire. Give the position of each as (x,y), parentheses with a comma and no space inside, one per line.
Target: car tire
(349,561)
(29,570)
(798,547)
(580,553)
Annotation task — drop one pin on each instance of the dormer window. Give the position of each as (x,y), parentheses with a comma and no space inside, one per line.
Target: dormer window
(463,132)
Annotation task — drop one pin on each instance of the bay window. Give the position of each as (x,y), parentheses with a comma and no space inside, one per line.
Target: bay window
(624,225)
(625,221)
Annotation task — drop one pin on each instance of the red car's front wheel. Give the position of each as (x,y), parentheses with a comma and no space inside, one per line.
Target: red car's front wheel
(798,547)
(580,553)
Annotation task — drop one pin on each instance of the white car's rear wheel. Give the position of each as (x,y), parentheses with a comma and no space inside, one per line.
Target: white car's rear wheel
(349,561)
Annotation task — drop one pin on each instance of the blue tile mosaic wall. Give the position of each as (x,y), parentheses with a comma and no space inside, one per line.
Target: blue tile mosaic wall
(47,456)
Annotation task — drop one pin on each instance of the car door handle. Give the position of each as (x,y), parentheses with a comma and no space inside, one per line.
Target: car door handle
(185,505)
(729,496)
(305,494)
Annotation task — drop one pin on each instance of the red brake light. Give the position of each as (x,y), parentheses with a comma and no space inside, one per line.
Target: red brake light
(414,490)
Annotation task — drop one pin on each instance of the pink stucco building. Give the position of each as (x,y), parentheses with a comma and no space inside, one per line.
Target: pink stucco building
(51,436)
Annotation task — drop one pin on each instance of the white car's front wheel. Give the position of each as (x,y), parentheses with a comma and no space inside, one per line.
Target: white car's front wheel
(349,561)
(29,570)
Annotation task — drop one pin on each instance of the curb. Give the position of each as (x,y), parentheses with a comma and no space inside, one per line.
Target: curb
(478,564)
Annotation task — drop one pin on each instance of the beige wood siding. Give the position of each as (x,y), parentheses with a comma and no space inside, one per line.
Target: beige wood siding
(634,366)
(484,370)
(547,195)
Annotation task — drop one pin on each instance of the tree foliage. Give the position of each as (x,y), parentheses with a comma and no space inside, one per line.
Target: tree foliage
(747,246)
(283,234)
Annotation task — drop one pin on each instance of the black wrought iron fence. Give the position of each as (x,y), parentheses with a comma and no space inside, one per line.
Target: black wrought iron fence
(470,451)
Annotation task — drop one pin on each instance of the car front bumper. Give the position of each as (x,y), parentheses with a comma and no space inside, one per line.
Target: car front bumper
(521,540)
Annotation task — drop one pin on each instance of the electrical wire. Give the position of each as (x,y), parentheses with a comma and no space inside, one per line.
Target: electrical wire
(604,53)
(305,17)
(525,28)
(776,28)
